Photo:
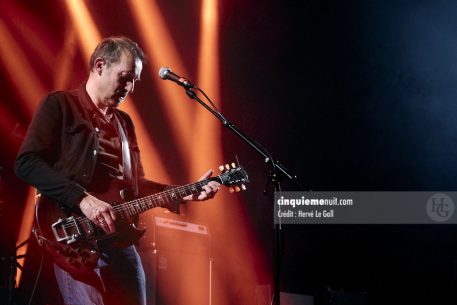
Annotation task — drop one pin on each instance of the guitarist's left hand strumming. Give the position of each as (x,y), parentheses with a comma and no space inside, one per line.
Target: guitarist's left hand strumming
(102,214)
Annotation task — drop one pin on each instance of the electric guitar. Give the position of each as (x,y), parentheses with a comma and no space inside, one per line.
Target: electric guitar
(75,242)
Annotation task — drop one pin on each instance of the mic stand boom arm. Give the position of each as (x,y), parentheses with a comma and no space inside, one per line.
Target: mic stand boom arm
(275,165)
(277,171)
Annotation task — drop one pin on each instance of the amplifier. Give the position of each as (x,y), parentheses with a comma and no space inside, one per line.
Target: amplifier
(177,261)
(180,225)
(173,234)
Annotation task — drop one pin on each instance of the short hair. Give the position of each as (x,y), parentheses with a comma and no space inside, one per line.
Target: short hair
(112,48)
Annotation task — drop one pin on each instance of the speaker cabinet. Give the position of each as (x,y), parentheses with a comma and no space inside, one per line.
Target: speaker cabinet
(178,264)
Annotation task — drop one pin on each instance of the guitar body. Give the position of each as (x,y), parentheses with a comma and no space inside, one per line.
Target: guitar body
(74,242)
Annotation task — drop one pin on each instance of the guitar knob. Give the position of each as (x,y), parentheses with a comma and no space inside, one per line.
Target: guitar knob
(243,187)
(227,167)
(221,168)
(233,165)
(66,250)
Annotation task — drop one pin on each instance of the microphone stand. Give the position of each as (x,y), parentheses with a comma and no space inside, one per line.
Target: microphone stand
(277,171)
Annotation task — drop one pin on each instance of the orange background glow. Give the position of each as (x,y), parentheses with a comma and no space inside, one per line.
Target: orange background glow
(37,56)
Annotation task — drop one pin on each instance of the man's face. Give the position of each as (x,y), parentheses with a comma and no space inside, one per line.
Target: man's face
(118,80)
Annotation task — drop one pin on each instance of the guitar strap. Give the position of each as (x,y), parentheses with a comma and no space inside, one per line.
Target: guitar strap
(126,162)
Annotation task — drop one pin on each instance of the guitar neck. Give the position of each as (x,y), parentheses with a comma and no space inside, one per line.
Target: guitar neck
(169,199)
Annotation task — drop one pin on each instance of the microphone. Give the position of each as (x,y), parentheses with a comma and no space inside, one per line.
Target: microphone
(166,74)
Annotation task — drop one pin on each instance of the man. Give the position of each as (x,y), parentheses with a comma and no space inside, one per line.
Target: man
(79,144)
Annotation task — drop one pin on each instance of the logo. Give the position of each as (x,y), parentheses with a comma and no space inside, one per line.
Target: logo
(440,207)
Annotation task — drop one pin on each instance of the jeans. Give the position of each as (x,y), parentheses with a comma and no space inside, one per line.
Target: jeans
(119,280)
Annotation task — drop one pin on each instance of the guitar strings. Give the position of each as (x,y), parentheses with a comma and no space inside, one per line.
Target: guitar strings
(129,206)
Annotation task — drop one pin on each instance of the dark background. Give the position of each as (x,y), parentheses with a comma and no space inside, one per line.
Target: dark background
(349,96)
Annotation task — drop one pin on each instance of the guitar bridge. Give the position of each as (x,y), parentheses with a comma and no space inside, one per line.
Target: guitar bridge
(66,230)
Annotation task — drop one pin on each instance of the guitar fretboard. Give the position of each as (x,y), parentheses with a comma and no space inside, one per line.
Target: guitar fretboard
(162,199)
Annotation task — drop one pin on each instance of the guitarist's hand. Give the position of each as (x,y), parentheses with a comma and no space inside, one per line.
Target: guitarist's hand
(99,212)
(209,190)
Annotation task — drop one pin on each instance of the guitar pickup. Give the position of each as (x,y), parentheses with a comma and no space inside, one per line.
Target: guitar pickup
(66,230)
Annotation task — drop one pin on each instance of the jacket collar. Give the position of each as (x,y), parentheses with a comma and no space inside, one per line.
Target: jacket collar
(84,97)
(87,102)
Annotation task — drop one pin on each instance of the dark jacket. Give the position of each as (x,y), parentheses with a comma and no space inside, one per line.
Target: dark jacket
(60,150)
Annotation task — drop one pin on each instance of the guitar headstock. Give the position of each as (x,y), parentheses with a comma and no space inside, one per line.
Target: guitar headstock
(234,177)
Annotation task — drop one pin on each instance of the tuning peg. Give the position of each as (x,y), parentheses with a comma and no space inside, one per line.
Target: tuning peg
(231,190)
(221,168)
(243,187)
(233,165)
(227,167)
